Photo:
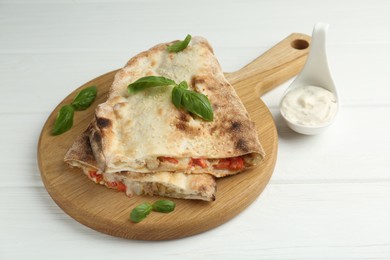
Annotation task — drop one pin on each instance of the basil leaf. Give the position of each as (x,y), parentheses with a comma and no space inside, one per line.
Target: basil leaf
(183,85)
(148,82)
(84,98)
(140,212)
(197,104)
(64,120)
(177,93)
(180,45)
(164,206)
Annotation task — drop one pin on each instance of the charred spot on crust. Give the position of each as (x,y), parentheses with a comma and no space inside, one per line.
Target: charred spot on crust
(187,129)
(97,137)
(235,126)
(193,81)
(213,129)
(184,117)
(242,146)
(197,80)
(88,149)
(103,122)
(181,126)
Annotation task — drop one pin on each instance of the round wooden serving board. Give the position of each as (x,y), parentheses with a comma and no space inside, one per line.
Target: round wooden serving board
(107,210)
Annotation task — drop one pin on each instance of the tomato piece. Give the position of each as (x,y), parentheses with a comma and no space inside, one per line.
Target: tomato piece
(222,164)
(120,186)
(168,159)
(92,174)
(236,163)
(95,176)
(231,164)
(199,162)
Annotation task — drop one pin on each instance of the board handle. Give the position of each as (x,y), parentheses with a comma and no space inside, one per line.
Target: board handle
(277,65)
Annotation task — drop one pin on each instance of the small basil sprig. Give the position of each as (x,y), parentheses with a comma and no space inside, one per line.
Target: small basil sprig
(140,212)
(84,98)
(192,101)
(64,119)
(182,97)
(164,206)
(180,45)
(148,82)
(177,94)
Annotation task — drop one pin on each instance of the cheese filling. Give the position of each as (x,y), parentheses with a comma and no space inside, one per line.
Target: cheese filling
(154,184)
(216,167)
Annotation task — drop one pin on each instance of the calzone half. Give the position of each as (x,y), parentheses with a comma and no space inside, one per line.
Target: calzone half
(175,185)
(144,132)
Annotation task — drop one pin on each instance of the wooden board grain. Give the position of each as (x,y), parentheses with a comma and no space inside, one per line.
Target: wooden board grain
(107,210)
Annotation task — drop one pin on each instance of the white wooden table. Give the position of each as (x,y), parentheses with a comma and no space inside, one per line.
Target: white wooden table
(329,196)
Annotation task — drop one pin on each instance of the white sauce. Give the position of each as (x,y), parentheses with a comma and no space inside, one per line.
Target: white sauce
(309,106)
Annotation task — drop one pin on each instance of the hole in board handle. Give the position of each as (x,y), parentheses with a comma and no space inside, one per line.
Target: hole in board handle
(300,44)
